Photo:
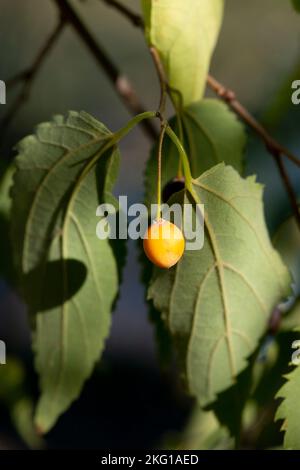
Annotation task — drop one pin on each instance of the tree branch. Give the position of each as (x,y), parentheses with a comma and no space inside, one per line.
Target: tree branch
(28,76)
(229,97)
(120,82)
(273,147)
(288,186)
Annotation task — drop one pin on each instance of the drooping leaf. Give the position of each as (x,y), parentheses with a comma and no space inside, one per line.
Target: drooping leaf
(14,396)
(230,406)
(184,34)
(202,432)
(252,398)
(216,302)
(288,409)
(212,134)
(268,368)
(69,276)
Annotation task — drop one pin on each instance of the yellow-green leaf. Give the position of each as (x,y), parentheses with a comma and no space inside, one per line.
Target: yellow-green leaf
(184,33)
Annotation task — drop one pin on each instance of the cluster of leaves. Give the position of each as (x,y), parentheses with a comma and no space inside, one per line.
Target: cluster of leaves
(215,304)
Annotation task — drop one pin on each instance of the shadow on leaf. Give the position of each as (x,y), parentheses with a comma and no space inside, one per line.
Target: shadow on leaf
(53,283)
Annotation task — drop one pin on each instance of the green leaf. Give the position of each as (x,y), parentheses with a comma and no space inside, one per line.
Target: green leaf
(69,276)
(296,4)
(202,432)
(287,241)
(162,336)
(216,302)
(231,403)
(14,396)
(184,34)
(289,410)
(212,134)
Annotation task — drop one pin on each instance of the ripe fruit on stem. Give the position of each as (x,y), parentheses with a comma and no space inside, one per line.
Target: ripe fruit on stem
(164,243)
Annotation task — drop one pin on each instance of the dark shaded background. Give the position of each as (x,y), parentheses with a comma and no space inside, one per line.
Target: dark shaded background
(129,402)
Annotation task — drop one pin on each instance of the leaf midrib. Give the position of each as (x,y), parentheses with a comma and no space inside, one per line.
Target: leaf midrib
(219,265)
(40,186)
(64,251)
(52,169)
(67,217)
(205,133)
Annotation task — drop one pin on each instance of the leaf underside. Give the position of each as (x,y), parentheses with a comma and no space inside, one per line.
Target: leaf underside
(185,34)
(216,301)
(212,134)
(69,277)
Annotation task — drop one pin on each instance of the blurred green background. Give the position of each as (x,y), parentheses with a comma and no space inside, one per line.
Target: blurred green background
(258,55)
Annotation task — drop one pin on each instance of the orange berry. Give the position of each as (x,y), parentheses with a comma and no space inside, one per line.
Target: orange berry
(164,243)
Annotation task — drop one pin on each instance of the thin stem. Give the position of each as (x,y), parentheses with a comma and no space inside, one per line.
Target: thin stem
(180,132)
(159,158)
(117,136)
(140,118)
(120,82)
(184,158)
(289,189)
(162,80)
